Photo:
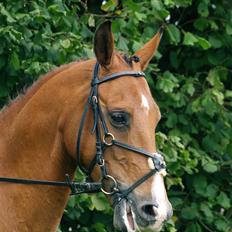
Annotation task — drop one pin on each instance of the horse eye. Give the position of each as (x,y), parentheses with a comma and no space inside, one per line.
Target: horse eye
(119,119)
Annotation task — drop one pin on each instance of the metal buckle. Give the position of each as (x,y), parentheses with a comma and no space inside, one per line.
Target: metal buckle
(94,99)
(115,188)
(108,139)
(101,162)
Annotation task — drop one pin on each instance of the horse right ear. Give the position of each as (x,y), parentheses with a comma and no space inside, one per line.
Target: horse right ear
(104,44)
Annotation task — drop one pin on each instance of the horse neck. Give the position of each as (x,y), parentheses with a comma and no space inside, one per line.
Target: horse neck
(32,146)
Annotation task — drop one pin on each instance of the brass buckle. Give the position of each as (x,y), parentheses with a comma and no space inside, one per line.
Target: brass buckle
(108,139)
(115,188)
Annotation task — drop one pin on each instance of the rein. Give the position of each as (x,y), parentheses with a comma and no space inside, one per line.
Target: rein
(102,143)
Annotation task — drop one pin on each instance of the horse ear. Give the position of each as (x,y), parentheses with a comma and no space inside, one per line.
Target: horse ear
(104,44)
(149,49)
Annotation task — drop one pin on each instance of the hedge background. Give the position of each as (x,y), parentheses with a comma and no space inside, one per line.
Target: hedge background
(190,79)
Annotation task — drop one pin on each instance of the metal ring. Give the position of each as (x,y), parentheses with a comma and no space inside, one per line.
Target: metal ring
(115,188)
(108,139)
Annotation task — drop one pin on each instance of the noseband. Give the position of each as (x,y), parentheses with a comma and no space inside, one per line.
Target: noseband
(102,143)
(108,140)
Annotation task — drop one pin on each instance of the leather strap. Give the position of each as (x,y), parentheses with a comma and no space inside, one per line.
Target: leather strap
(76,187)
(113,76)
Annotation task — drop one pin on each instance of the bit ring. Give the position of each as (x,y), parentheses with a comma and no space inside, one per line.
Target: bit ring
(115,188)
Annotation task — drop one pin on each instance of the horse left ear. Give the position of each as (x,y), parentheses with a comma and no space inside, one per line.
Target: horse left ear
(104,44)
(148,50)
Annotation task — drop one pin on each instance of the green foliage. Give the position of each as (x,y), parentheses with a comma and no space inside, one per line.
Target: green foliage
(192,87)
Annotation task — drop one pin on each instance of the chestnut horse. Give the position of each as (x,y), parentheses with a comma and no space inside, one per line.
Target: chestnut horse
(39,134)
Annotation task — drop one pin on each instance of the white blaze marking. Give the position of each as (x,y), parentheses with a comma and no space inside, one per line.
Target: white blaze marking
(144,103)
(160,197)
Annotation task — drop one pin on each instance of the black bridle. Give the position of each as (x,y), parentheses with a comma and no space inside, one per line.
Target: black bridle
(108,139)
(102,143)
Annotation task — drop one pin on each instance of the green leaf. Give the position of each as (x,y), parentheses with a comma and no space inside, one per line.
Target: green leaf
(211,191)
(221,225)
(176,201)
(55,9)
(169,3)
(210,107)
(98,203)
(189,212)
(168,82)
(193,227)
(172,120)
(213,25)
(223,200)
(72,202)
(99,227)
(228,94)
(205,44)
(210,167)
(229,29)
(140,16)
(174,34)
(189,39)
(14,61)
(201,24)
(203,9)
(174,182)
(6,13)
(122,43)
(215,41)
(204,207)
(65,43)
(91,21)
(157,4)
(200,184)
(183,3)
(190,89)
(218,96)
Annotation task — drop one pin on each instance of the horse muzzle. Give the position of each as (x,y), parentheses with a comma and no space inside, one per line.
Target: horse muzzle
(131,215)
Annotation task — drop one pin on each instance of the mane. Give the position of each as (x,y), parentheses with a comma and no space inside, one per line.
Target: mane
(21,99)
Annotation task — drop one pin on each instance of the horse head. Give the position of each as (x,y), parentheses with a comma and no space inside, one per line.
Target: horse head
(126,112)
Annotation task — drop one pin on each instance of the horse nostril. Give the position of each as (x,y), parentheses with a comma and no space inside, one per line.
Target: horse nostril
(149,210)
